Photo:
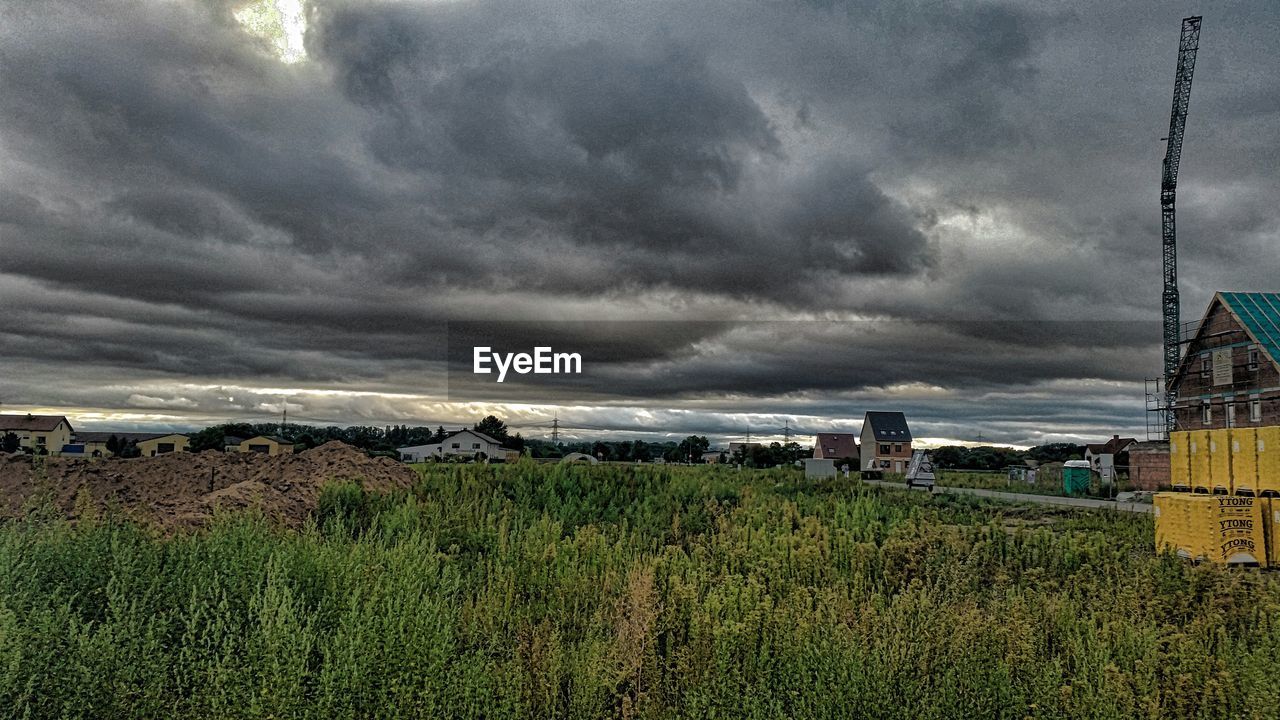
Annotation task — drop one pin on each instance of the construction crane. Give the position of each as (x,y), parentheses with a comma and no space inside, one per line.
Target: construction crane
(1188,44)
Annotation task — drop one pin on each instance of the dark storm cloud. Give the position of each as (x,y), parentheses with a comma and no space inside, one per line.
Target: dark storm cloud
(176,203)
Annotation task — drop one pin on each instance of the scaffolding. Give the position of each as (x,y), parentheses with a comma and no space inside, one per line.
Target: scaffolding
(1159,414)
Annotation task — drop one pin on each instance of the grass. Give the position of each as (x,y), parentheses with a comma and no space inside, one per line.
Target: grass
(1044,486)
(648,592)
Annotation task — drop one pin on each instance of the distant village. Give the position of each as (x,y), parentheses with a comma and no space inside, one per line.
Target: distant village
(1229,377)
(884,446)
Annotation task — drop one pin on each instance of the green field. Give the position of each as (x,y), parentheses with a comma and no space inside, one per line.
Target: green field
(612,591)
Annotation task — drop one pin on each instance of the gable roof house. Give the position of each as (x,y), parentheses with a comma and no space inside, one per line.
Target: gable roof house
(464,443)
(1230,373)
(94,443)
(1093,452)
(1104,457)
(47,433)
(885,442)
(267,445)
(835,446)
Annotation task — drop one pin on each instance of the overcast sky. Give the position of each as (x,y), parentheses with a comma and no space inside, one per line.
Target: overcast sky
(818,208)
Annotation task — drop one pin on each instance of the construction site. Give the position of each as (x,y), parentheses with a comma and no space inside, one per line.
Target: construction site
(1219,407)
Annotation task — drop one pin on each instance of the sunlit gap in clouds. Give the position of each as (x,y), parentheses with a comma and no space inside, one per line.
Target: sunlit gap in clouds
(282,22)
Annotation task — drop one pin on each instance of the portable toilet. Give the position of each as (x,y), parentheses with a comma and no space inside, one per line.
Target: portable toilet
(1076,475)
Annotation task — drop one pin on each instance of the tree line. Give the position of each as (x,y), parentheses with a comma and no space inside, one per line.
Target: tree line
(957,457)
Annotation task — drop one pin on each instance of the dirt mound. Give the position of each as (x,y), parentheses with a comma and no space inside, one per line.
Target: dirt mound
(183,489)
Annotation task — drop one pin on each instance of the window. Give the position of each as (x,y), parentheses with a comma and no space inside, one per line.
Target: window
(1206,364)
(475,446)
(40,440)
(1255,410)
(1253,358)
(884,449)
(1231,414)
(456,446)
(897,448)
(1206,413)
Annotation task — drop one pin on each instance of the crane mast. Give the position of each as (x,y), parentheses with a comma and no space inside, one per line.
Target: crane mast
(1188,44)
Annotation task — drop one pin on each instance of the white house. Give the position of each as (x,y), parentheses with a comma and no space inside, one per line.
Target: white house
(467,443)
(1102,456)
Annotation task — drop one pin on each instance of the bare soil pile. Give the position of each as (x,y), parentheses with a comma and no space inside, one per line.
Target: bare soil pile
(183,489)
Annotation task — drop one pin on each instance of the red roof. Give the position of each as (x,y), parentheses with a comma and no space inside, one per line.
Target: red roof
(32,423)
(1115,445)
(836,445)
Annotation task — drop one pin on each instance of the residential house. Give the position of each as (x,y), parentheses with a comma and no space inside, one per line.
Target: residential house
(885,442)
(267,445)
(1104,457)
(1230,374)
(835,446)
(94,443)
(465,442)
(163,444)
(712,457)
(47,433)
(741,450)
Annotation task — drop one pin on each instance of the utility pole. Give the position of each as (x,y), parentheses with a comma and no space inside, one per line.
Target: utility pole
(786,433)
(555,430)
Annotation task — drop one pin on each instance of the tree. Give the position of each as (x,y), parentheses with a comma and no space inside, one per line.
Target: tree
(493,427)
(1056,452)
(11,443)
(211,437)
(692,447)
(113,445)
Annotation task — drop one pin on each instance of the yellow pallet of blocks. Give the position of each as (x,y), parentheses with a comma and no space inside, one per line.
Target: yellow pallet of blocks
(1268,448)
(1219,479)
(1174,527)
(1179,459)
(1198,460)
(1224,529)
(1244,461)
(1271,526)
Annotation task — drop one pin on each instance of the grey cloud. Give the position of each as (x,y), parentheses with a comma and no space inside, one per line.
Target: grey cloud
(175,203)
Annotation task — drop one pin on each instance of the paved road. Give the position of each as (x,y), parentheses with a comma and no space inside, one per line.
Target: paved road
(1026,497)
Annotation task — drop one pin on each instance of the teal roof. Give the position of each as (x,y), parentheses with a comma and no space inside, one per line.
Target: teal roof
(1260,313)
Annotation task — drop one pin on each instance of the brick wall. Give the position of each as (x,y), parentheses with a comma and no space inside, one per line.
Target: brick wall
(1149,465)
